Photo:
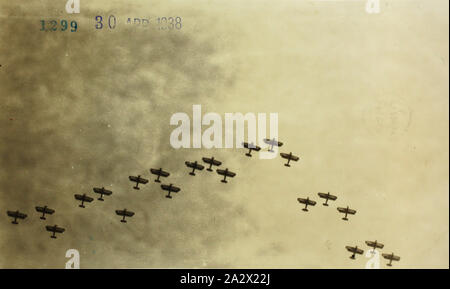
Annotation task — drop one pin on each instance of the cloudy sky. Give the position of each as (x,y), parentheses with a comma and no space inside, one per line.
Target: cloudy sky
(361,98)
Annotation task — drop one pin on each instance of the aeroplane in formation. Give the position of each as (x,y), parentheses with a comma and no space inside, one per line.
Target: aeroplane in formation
(346,211)
(83,198)
(138,180)
(307,202)
(390,257)
(194,166)
(226,173)
(16,215)
(124,213)
(374,245)
(211,162)
(272,142)
(170,189)
(327,197)
(355,250)
(251,147)
(54,229)
(289,157)
(160,173)
(44,210)
(102,191)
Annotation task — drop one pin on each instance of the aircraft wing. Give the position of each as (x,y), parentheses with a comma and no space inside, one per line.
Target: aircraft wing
(354,250)
(294,158)
(170,188)
(351,212)
(138,179)
(302,201)
(199,167)
(221,172)
(350,249)
(124,213)
(102,191)
(45,210)
(311,202)
(230,174)
(273,142)
(345,210)
(107,192)
(55,229)
(289,156)
(159,172)
(327,196)
(373,244)
(49,211)
(211,161)
(83,198)
(391,257)
(16,214)
(251,146)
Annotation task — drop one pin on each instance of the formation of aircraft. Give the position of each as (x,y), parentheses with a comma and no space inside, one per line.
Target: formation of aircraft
(223,172)
(124,213)
(289,157)
(390,257)
(83,198)
(346,211)
(251,147)
(138,180)
(102,191)
(170,189)
(327,197)
(160,173)
(273,142)
(374,245)
(211,162)
(16,215)
(194,166)
(54,229)
(44,210)
(355,250)
(226,173)
(307,202)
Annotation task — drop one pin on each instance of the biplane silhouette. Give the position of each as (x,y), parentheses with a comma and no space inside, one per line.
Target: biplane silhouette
(346,211)
(211,162)
(160,173)
(226,173)
(355,250)
(54,229)
(102,191)
(390,257)
(374,245)
(307,202)
(272,142)
(327,197)
(251,147)
(124,213)
(44,210)
(138,180)
(83,198)
(16,215)
(170,189)
(194,166)
(289,157)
